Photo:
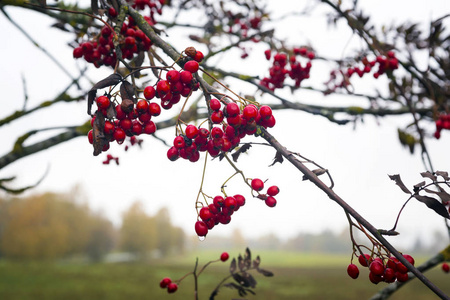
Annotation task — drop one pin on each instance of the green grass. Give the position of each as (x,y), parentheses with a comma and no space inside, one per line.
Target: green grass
(297,276)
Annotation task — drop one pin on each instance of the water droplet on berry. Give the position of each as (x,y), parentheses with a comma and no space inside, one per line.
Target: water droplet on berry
(201,238)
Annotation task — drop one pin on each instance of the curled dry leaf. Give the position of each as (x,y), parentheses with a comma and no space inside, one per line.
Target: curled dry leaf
(443,175)
(127,91)
(429,175)
(240,150)
(445,197)
(433,204)
(399,182)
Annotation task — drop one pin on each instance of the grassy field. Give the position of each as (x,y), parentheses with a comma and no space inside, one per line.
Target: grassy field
(297,276)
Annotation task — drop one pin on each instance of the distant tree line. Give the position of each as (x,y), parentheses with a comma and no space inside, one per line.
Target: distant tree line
(52,226)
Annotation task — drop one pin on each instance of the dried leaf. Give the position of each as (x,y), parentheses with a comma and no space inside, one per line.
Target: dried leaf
(112,79)
(256,262)
(265,272)
(127,91)
(241,263)
(233,265)
(433,204)
(278,158)
(98,133)
(429,175)
(443,175)
(91,98)
(111,111)
(241,150)
(245,279)
(247,258)
(399,182)
(445,197)
(418,186)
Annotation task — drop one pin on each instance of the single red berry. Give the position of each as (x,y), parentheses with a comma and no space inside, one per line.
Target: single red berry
(364,260)
(200,228)
(191,66)
(409,258)
(214,104)
(389,275)
(240,200)
(172,154)
(77,52)
(112,12)
(224,256)
(257,184)
(165,282)
(273,190)
(375,279)
(265,112)
(311,55)
(149,92)
(109,127)
(230,202)
(198,56)
(250,112)
(376,268)
(217,117)
(267,54)
(191,131)
(271,201)
(445,267)
(172,288)
(178,142)
(218,201)
(103,102)
(401,277)
(154,109)
(163,87)
(119,135)
(91,136)
(137,128)
(401,268)
(149,127)
(232,109)
(142,106)
(205,213)
(186,77)
(353,271)
(216,133)
(173,76)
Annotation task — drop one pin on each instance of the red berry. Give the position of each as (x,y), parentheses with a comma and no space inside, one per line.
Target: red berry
(353,271)
(232,109)
(230,202)
(149,92)
(218,201)
(445,267)
(389,275)
(401,277)
(179,142)
(205,213)
(240,200)
(271,201)
(364,260)
(112,12)
(173,76)
(91,136)
(375,279)
(163,87)
(376,268)
(311,55)
(216,133)
(119,135)
(172,288)
(217,117)
(154,109)
(257,184)
(149,127)
(273,190)
(103,102)
(214,104)
(142,106)
(186,77)
(165,282)
(250,112)
(191,131)
(224,256)
(265,112)
(198,56)
(109,127)
(200,228)
(267,54)
(172,154)
(409,258)
(191,66)
(77,52)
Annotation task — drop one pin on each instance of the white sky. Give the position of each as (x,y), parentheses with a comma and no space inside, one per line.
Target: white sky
(359,159)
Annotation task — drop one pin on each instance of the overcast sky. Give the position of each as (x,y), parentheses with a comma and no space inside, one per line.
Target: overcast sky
(359,157)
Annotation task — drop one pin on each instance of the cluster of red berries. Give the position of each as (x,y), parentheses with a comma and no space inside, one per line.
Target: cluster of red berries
(166,282)
(385,63)
(130,119)
(100,50)
(278,71)
(443,122)
(241,26)
(156,6)
(269,197)
(388,270)
(134,119)
(218,212)
(236,124)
